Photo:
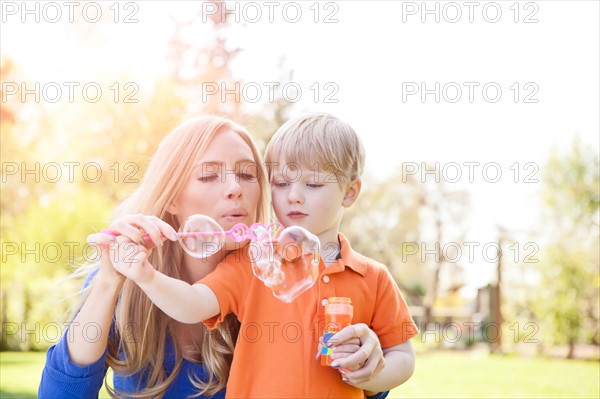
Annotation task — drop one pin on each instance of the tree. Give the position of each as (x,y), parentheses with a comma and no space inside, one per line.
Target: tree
(201,59)
(567,300)
(117,136)
(396,220)
(380,224)
(444,219)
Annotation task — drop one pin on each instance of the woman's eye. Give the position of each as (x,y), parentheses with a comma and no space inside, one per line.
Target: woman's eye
(314,185)
(247,176)
(206,179)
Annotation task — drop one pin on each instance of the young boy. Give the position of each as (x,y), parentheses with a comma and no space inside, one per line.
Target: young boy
(315,164)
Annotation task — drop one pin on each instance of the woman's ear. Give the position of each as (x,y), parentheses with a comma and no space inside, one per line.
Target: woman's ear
(351,194)
(172,208)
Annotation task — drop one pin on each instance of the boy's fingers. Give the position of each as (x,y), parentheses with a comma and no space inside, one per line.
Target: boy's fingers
(100,239)
(139,258)
(104,253)
(125,251)
(128,257)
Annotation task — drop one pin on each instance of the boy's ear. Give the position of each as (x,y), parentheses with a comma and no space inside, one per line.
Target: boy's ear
(351,194)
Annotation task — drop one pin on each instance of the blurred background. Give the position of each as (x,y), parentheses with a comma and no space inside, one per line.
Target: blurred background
(481,191)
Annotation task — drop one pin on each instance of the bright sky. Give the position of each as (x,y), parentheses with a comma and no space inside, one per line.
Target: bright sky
(375,61)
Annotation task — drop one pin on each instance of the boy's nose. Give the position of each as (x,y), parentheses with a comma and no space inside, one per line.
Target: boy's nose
(295,195)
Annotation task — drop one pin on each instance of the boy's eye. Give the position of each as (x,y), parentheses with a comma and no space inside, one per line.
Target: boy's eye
(280,184)
(314,185)
(206,179)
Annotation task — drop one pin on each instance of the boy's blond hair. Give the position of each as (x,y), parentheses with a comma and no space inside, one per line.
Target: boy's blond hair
(318,138)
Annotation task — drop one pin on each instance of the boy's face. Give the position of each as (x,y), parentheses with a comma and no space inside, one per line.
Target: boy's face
(310,197)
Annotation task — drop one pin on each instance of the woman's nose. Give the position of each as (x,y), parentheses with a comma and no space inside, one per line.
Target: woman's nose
(233,187)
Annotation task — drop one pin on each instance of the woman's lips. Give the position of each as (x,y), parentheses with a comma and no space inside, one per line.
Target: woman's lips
(236,215)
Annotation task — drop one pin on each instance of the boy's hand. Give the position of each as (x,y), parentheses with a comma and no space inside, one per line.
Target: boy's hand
(129,259)
(357,353)
(107,272)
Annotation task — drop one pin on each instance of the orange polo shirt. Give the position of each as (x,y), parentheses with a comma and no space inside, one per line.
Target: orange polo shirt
(276,348)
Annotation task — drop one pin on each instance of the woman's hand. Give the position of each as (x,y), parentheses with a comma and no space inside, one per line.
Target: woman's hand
(135,226)
(357,353)
(125,255)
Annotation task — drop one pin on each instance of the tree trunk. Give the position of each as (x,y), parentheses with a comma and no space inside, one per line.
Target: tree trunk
(433,290)
(4,317)
(571,353)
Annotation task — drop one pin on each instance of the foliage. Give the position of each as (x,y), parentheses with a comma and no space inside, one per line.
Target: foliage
(44,249)
(385,217)
(567,301)
(100,150)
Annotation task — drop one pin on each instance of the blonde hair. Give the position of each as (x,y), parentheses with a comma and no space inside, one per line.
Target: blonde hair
(322,138)
(143,347)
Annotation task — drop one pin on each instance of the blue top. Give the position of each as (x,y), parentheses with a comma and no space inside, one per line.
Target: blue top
(63,379)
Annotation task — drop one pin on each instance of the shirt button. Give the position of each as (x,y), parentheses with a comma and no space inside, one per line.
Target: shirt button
(324,302)
(325,279)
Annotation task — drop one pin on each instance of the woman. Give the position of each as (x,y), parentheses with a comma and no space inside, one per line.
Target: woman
(207,165)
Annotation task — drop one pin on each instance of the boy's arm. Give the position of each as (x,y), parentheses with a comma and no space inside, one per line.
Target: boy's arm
(179,300)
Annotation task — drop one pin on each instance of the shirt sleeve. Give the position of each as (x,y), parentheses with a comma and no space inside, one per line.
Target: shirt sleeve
(392,321)
(62,378)
(230,282)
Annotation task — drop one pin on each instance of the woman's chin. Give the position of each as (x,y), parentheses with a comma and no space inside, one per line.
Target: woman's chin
(232,245)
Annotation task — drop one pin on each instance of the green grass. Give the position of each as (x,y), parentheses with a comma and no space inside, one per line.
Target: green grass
(438,375)
(450,374)
(20,374)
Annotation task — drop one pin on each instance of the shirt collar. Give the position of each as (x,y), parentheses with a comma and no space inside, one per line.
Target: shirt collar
(350,258)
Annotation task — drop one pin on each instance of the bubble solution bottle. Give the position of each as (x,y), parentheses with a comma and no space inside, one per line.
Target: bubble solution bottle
(338,314)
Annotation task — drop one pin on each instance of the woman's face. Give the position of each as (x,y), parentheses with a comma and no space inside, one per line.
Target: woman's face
(223,184)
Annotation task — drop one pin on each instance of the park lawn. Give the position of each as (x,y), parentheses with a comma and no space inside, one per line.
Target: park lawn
(445,374)
(454,374)
(20,374)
